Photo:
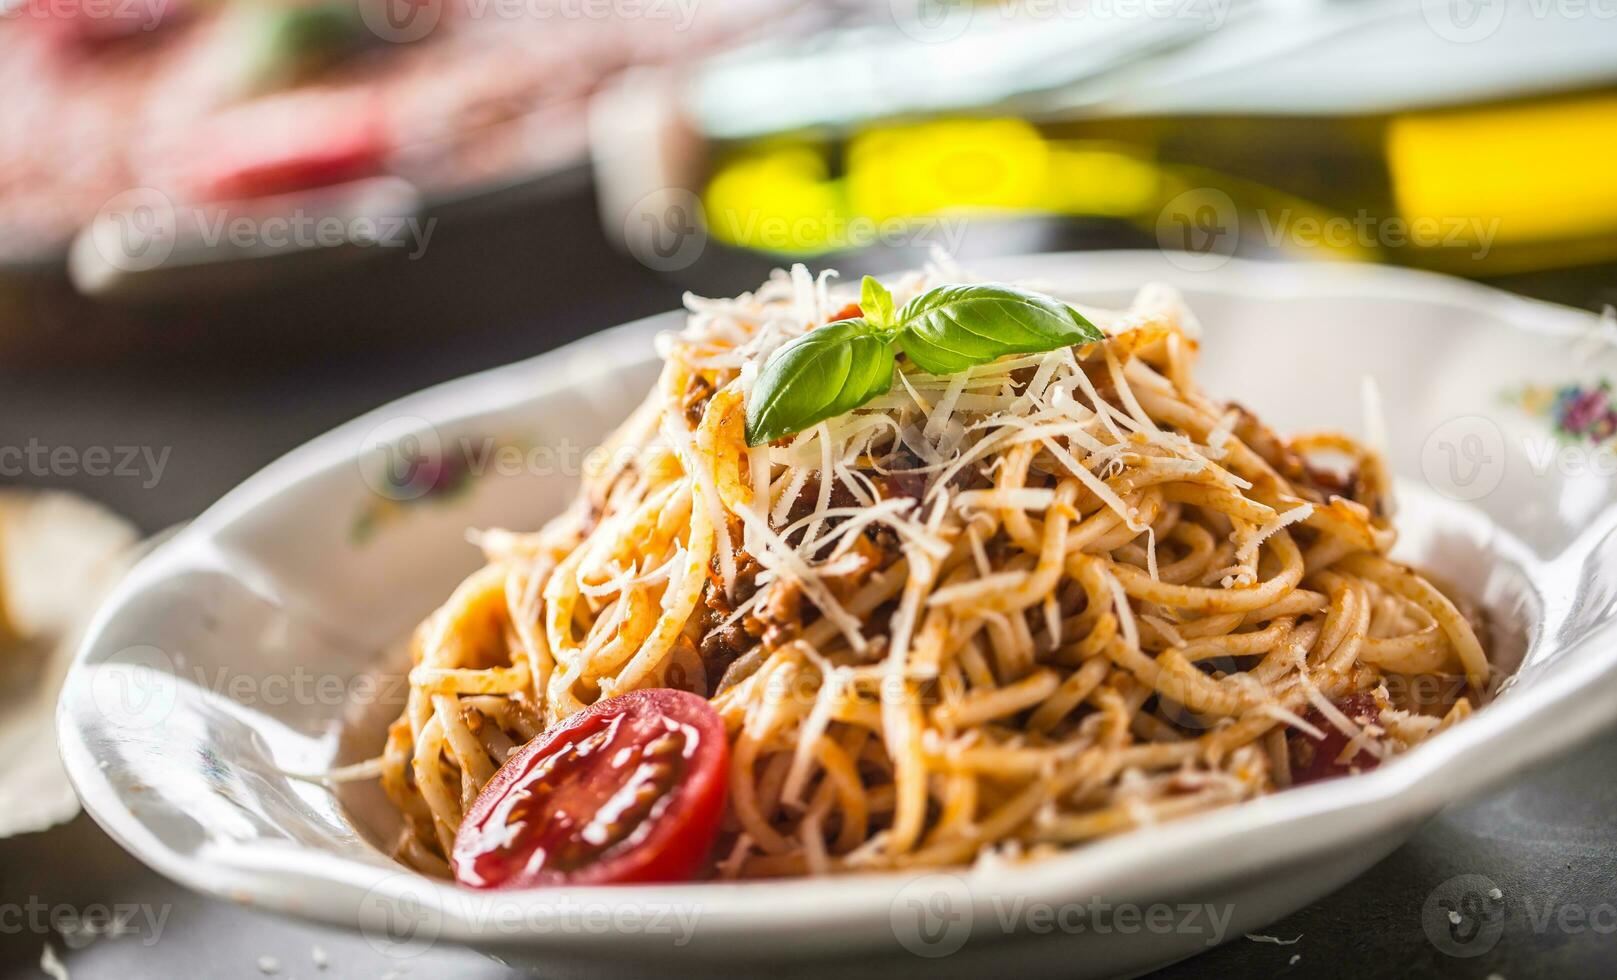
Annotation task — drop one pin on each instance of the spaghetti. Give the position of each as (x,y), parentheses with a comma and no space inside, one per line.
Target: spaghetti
(1036,602)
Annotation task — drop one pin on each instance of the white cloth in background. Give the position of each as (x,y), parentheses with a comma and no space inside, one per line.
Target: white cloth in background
(59,556)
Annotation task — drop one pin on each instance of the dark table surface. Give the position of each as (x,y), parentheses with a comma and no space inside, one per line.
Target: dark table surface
(1548,842)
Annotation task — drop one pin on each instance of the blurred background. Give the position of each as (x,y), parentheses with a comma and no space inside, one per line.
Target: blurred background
(229,225)
(178,176)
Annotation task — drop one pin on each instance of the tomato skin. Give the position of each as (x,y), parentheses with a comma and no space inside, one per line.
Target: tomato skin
(1314,759)
(500,846)
(850,312)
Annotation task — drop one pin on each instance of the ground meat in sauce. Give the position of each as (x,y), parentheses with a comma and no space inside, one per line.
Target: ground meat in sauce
(1315,483)
(1263,441)
(781,615)
(1331,483)
(593,505)
(719,647)
(589,516)
(1321,484)
(780,618)
(698,392)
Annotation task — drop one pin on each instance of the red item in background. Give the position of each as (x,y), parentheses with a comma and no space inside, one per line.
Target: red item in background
(83,26)
(286,144)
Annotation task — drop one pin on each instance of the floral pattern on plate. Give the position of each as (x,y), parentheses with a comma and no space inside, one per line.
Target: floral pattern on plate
(1576,411)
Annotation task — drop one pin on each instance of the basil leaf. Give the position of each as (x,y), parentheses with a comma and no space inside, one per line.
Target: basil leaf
(876,302)
(950,328)
(840,366)
(820,375)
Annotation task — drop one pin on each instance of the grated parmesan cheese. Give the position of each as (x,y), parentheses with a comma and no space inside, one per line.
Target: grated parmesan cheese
(51,965)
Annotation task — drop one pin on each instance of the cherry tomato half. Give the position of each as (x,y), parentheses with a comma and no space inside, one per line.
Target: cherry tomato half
(630,790)
(1313,759)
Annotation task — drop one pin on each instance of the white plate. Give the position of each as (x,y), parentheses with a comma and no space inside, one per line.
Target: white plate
(236,652)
